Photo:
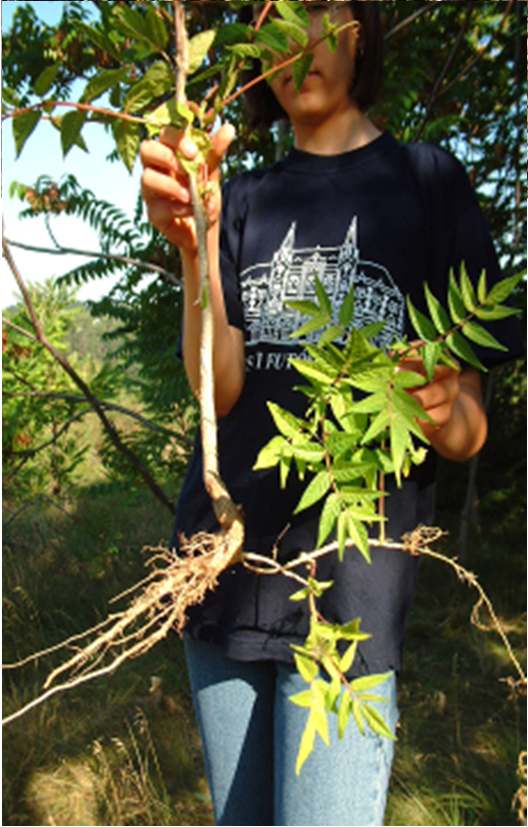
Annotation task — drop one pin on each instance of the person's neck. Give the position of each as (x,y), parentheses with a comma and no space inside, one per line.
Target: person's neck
(342,132)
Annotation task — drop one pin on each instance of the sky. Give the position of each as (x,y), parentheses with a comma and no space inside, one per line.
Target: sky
(42,154)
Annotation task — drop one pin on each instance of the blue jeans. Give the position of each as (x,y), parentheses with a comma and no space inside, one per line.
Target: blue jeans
(250,737)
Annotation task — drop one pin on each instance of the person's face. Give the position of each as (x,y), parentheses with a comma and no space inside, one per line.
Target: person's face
(326,87)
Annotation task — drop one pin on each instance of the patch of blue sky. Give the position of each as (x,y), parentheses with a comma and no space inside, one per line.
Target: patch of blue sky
(42,155)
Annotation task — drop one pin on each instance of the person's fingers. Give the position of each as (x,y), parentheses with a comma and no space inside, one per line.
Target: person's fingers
(156,184)
(440,392)
(163,215)
(221,142)
(158,155)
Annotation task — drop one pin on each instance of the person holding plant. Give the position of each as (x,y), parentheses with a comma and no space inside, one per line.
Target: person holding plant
(348,205)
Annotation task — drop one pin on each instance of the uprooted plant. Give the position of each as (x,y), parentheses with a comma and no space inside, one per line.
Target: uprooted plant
(361,424)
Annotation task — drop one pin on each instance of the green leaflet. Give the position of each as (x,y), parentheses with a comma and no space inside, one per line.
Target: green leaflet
(315,490)
(482,289)
(102,82)
(274,38)
(155,82)
(306,746)
(45,80)
(424,328)
(306,667)
(128,138)
(500,291)
(359,535)
(292,11)
(478,334)
(70,129)
(376,722)
(309,370)
(329,515)
(343,715)
(293,31)
(270,454)
(199,45)
(455,301)
(438,314)
(23,126)
(300,69)
(461,347)
(369,681)
(346,311)
(466,287)
(288,424)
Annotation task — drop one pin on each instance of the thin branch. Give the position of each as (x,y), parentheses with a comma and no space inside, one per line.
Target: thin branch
(108,406)
(480,53)
(440,79)
(133,262)
(113,434)
(30,452)
(410,19)
(353,24)
(416,543)
(82,107)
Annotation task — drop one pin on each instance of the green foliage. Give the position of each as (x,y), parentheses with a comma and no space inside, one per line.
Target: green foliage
(332,648)
(361,422)
(39,450)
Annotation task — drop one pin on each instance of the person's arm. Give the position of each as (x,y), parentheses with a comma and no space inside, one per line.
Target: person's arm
(166,194)
(228,344)
(454,402)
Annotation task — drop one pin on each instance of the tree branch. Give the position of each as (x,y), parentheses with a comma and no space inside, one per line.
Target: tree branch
(410,19)
(108,406)
(113,434)
(166,275)
(82,107)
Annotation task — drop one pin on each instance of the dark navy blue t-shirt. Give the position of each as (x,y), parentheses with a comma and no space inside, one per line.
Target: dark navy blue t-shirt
(368,218)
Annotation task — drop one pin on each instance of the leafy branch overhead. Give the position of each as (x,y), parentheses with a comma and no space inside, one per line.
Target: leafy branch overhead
(143,105)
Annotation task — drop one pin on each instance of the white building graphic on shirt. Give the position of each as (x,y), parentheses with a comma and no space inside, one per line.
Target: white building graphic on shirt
(290,276)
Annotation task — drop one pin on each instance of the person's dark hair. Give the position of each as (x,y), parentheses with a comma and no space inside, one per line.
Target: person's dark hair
(263,108)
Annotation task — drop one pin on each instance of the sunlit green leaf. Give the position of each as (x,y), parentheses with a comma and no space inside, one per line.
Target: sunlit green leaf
(199,46)
(329,515)
(156,81)
(376,722)
(500,291)
(478,334)
(461,347)
(306,746)
(128,138)
(315,491)
(423,327)
(346,311)
(468,292)
(343,714)
(369,681)
(454,300)
(287,423)
(306,307)
(438,314)
(270,454)
(482,289)
(306,667)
